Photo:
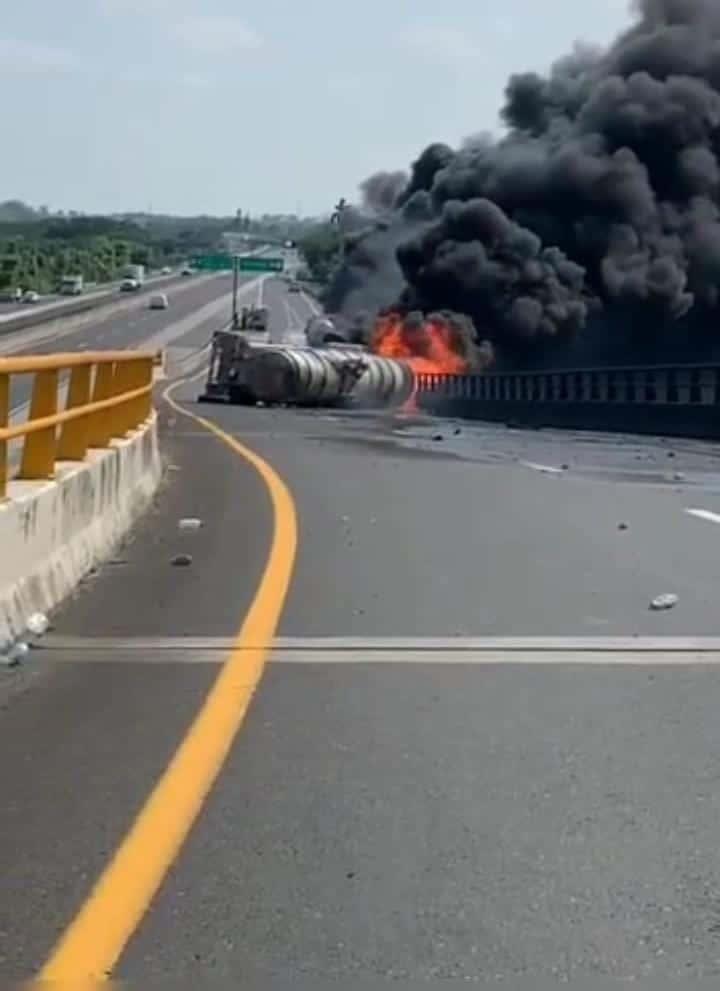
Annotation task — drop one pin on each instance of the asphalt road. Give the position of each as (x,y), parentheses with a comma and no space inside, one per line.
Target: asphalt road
(138,327)
(415,793)
(7,309)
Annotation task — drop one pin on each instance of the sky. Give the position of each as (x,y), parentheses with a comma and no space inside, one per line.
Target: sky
(210,106)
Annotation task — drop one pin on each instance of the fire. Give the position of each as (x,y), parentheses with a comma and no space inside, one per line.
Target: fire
(430,345)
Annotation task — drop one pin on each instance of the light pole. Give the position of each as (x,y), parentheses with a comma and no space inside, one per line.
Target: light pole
(235,319)
(337,219)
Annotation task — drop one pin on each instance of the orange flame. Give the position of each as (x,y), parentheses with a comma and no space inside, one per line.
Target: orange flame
(429,347)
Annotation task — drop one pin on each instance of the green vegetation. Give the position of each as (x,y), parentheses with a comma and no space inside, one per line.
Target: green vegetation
(38,247)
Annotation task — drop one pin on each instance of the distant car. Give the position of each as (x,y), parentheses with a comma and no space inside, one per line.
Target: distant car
(30,296)
(129,285)
(166,271)
(257,318)
(186,271)
(293,287)
(11,295)
(158,301)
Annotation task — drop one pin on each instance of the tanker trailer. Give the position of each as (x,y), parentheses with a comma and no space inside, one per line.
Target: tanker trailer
(228,356)
(302,376)
(386,382)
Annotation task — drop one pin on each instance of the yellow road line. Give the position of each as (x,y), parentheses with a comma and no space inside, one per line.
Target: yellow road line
(92,944)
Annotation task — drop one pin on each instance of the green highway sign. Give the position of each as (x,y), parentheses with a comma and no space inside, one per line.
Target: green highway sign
(212,263)
(246,263)
(256,263)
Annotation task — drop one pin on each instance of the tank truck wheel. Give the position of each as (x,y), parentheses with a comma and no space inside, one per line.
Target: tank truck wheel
(240,396)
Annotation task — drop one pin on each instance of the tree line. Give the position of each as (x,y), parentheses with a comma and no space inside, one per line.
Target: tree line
(37,247)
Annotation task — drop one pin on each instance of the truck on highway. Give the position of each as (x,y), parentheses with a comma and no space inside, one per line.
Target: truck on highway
(71,285)
(134,272)
(254,318)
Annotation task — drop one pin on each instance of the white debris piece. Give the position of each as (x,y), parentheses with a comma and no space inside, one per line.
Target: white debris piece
(189,523)
(38,624)
(665,601)
(15,654)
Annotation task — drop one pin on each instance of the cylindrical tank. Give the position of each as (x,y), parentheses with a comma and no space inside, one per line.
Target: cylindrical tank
(385,382)
(302,376)
(327,376)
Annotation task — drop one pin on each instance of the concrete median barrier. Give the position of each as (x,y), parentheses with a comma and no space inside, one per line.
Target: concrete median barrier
(52,533)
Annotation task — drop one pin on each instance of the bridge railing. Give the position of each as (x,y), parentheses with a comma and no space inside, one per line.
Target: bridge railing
(108,393)
(659,384)
(680,399)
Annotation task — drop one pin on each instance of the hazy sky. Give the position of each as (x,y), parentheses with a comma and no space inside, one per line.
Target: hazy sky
(212,105)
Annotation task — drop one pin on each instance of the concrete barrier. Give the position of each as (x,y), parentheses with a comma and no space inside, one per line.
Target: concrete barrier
(52,533)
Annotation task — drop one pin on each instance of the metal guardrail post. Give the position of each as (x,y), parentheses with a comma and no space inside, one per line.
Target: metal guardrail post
(4,417)
(101,425)
(39,451)
(708,380)
(74,435)
(123,381)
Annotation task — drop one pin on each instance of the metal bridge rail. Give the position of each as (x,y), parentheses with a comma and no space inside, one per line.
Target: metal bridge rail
(109,393)
(661,384)
(676,400)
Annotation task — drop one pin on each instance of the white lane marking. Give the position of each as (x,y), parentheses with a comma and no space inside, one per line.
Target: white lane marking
(311,304)
(547,469)
(479,651)
(704,514)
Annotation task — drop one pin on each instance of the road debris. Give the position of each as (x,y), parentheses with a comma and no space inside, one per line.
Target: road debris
(15,654)
(189,523)
(38,624)
(666,601)
(181,561)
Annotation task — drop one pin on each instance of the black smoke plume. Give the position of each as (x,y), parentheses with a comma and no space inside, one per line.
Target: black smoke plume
(591,230)
(380,192)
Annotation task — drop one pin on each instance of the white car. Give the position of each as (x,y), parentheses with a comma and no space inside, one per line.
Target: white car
(129,285)
(158,301)
(30,296)
(166,271)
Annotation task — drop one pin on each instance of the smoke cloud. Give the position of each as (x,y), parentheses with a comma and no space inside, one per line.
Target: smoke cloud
(591,229)
(380,192)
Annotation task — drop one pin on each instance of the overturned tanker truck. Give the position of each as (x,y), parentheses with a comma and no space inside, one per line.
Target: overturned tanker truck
(330,375)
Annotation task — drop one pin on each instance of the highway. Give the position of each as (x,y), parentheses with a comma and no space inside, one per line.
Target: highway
(474,754)
(8,309)
(196,307)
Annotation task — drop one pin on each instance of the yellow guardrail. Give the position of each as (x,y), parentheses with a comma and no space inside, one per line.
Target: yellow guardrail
(108,394)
